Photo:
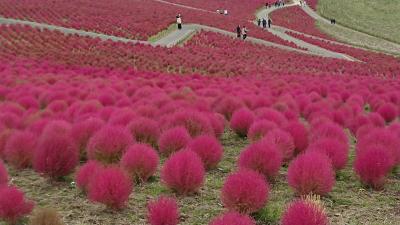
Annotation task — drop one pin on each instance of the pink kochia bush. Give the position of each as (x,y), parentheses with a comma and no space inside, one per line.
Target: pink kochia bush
(245,191)
(145,131)
(86,173)
(311,172)
(108,144)
(337,151)
(304,212)
(299,133)
(372,165)
(140,161)
(283,140)
(388,111)
(183,172)
(111,187)
(173,140)
(84,130)
(20,148)
(241,121)
(13,205)
(208,149)
(259,129)
(384,139)
(56,155)
(262,157)
(3,174)
(163,211)
(232,218)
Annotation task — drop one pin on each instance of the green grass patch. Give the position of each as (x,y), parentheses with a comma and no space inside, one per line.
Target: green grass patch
(379,18)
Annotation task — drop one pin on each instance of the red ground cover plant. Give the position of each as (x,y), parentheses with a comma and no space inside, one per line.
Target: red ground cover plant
(13,205)
(3,174)
(284,142)
(372,165)
(163,211)
(241,121)
(173,140)
(86,173)
(140,161)
(109,144)
(311,172)
(20,149)
(304,211)
(145,131)
(262,157)
(183,172)
(259,129)
(337,151)
(208,149)
(111,187)
(245,191)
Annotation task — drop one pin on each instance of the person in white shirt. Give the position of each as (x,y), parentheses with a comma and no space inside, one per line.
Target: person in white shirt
(179,21)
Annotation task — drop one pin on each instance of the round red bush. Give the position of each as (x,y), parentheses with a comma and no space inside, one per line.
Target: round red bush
(245,191)
(140,161)
(337,151)
(56,155)
(145,131)
(20,148)
(111,187)
(86,173)
(83,131)
(241,121)
(183,172)
(173,140)
(299,134)
(163,211)
(372,165)
(383,138)
(259,129)
(3,174)
(311,172)
(108,144)
(262,157)
(283,140)
(232,218)
(304,212)
(388,111)
(329,130)
(13,205)
(208,149)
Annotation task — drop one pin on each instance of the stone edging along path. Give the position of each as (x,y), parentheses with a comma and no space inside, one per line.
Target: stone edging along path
(177,36)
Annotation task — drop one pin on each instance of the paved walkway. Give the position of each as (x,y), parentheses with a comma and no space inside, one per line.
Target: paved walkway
(280,32)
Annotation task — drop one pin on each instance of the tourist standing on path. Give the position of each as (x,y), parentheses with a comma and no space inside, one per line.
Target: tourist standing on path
(266,5)
(244,32)
(239,31)
(269,22)
(264,23)
(259,22)
(179,21)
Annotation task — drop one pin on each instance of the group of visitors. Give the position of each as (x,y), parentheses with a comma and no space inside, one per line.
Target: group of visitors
(264,22)
(222,11)
(241,32)
(303,3)
(278,3)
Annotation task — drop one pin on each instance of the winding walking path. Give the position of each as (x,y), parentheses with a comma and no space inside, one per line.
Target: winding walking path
(177,36)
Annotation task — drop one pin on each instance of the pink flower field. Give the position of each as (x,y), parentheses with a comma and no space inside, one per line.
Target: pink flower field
(214,130)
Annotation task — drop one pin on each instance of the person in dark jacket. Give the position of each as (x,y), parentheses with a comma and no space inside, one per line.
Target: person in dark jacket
(264,23)
(259,22)
(239,31)
(269,22)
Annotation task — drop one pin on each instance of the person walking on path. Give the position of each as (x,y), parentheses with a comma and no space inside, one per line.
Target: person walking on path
(264,23)
(269,22)
(259,22)
(244,32)
(179,21)
(239,31)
